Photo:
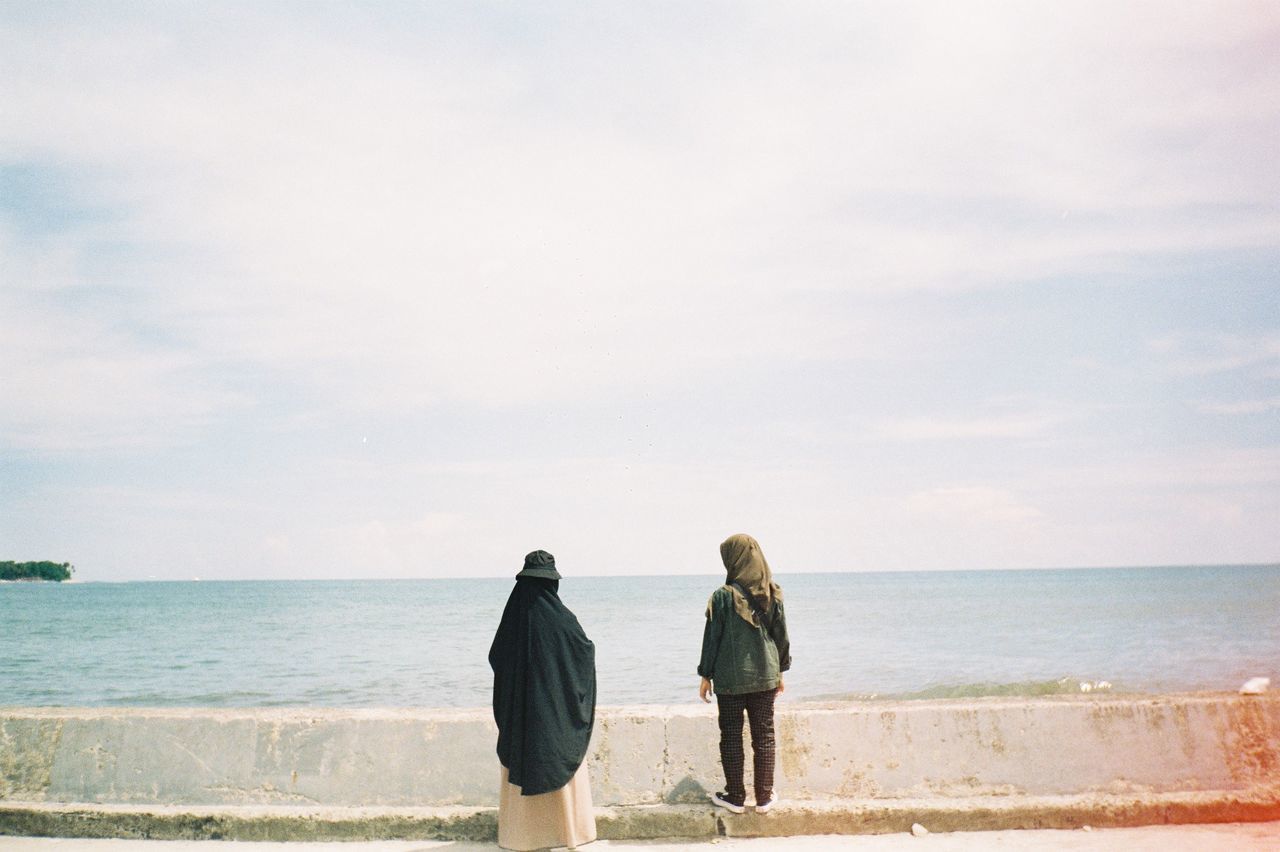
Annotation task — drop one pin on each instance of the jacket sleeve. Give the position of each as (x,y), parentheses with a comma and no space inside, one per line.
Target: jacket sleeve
(780,637)
(711,635)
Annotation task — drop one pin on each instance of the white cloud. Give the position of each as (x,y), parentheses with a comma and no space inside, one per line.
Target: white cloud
(381,217)
(975,504)
(409,226)
(1254,469)
(74,380)
(1206,354)
(961,429)
(1248,406)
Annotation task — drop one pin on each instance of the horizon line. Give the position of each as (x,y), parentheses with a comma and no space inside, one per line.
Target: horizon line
(1276,564)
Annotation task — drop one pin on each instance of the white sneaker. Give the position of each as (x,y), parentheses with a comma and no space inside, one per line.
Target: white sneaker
(722,801)
(765,806)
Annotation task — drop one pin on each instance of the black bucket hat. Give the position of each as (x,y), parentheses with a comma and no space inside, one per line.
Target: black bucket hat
(540,564)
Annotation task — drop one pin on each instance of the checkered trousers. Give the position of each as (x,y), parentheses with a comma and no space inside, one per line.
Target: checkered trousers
(759,707)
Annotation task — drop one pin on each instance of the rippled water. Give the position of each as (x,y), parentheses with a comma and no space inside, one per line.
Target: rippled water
(424,642)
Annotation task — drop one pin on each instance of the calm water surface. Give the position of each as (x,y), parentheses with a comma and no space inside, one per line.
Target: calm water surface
(367,643)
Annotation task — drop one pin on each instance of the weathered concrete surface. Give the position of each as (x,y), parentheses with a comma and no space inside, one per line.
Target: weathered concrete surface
(1220,837)
(989,763)
(985,813)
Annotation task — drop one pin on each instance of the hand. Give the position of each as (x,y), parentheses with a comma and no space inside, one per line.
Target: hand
(782,687)
(704,690)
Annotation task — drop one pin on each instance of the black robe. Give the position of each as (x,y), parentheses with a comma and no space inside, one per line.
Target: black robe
(544,688)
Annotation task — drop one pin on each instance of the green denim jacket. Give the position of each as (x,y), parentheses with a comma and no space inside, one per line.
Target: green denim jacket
(739,657)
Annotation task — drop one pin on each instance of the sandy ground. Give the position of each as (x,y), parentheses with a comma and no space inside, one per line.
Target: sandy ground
(1230,837)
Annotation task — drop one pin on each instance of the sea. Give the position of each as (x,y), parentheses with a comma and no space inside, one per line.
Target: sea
(424,643)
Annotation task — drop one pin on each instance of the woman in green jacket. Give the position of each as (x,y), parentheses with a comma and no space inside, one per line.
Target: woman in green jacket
(745,650)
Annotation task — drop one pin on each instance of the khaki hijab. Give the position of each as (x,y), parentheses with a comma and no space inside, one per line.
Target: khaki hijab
(744,563)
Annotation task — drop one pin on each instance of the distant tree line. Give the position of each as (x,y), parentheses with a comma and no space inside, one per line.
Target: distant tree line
(56,571)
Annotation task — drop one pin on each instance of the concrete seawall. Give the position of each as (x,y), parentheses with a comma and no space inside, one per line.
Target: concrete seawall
(989,763)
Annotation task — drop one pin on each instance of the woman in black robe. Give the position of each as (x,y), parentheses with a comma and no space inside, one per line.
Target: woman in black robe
(544,701)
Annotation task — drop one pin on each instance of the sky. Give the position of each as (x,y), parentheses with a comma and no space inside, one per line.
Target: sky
(391,289)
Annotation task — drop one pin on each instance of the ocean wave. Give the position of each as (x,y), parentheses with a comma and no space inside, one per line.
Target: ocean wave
(1058,686)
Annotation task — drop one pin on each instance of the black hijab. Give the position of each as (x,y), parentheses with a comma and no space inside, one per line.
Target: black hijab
(544,687)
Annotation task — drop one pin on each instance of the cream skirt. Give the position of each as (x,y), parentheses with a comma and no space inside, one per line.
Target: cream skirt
(560,818)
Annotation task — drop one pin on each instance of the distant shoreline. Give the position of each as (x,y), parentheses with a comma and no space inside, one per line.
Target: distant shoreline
(780,576)
(43,570)
(44,580)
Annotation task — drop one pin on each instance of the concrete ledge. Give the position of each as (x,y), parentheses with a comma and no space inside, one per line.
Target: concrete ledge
(171,822)
(983,813)
(317,773)
(986,813)
(642,755)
